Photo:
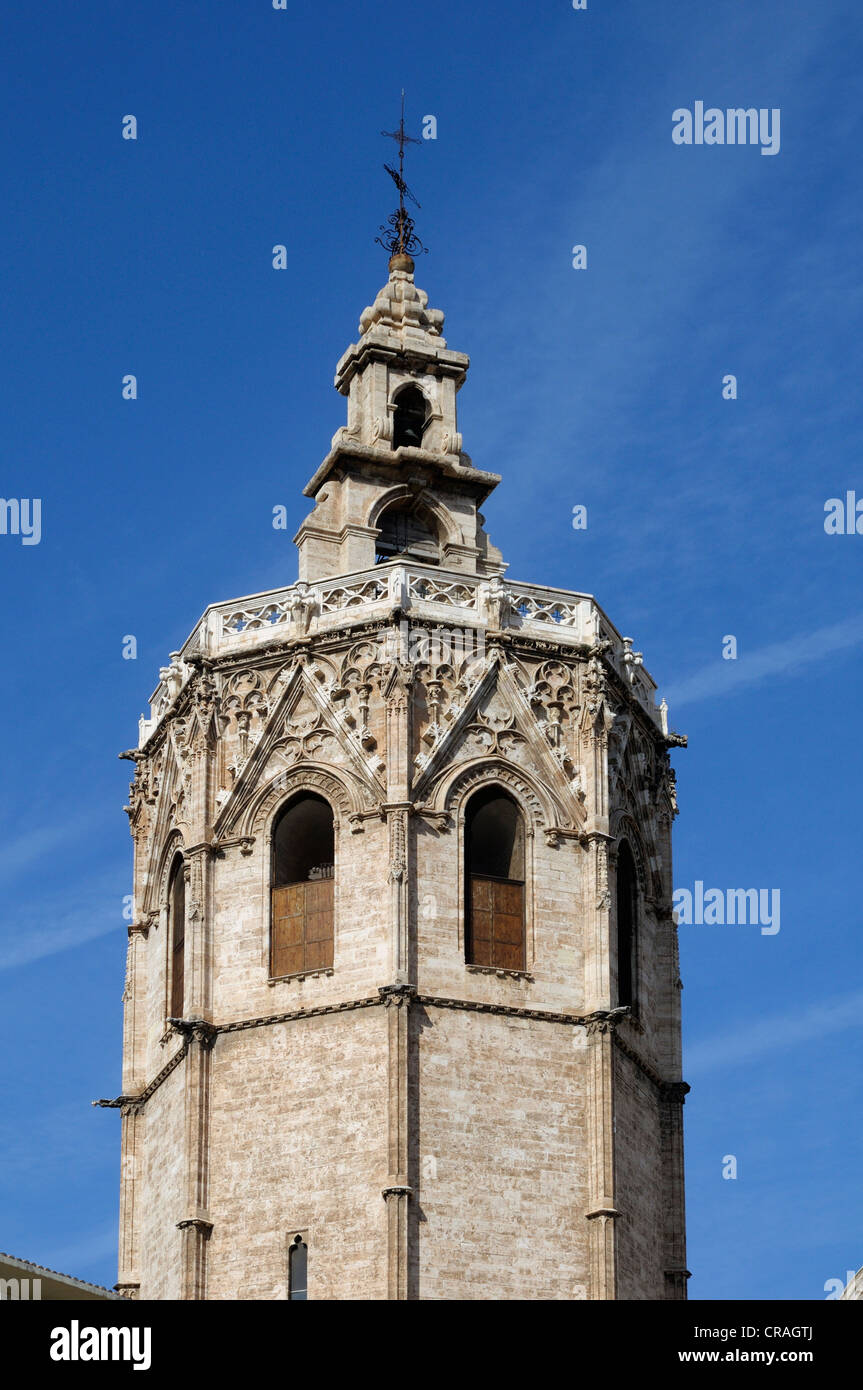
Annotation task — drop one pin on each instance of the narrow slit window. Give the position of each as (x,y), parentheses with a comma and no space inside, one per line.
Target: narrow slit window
(298,1270)
(301,931)
(494,852)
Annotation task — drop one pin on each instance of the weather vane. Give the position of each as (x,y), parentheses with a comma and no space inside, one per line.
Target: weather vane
(399,237)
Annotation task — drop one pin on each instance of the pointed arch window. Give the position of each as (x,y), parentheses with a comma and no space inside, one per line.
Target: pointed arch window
(410,419)
(177,929)
(495,858)
(627,923)
(301,925)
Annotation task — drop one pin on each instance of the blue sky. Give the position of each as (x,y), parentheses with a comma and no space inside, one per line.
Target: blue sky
(600,387)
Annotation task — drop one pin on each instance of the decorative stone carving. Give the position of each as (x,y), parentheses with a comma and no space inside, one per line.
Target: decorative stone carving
(303,605)
(631,660)
(343,793)
(396,996)
(494,602)
(398,862)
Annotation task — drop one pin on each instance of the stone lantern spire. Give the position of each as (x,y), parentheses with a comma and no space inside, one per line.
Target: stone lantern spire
(400,370)
(396,479)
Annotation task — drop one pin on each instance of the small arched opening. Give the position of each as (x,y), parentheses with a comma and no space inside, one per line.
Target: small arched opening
(410,418)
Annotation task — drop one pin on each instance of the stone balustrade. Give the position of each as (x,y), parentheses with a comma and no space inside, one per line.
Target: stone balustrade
(423,592)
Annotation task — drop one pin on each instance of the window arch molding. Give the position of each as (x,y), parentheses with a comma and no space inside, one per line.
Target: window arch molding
(444,522)
(157,905)
(623,827)
(456,785)
(349,799)
(174,844)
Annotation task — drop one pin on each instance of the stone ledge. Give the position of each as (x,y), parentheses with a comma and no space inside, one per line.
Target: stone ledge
(500,973)
(300,975)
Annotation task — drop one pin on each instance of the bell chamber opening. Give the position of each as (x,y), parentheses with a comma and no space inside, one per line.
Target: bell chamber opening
(411,418)
(408,531)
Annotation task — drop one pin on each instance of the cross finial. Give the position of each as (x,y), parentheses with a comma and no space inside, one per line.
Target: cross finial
(399,237)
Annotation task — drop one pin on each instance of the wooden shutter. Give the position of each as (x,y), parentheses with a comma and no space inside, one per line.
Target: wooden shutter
(319,925)
(302,928)
(497,923)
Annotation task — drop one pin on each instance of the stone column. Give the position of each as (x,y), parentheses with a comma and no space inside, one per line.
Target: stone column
(398,1192)
(597,721)
(601,1210)
(133,1022)
(199,893)
(671,1127)
(128,1275)
(398,696)
(597,918)
(132,1120)
(196,1224)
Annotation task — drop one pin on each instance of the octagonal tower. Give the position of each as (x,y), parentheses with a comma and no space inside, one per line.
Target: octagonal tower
(402,1002)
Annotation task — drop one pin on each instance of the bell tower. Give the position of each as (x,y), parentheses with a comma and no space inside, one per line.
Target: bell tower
(402,1004)
(398,469)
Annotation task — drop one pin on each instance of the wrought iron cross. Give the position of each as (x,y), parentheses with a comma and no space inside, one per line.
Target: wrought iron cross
(399,237)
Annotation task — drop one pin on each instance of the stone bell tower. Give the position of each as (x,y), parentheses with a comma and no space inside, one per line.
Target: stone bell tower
(402,1008)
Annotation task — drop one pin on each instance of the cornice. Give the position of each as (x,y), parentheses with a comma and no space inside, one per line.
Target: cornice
(394,460)
(399,995)
(133,1103)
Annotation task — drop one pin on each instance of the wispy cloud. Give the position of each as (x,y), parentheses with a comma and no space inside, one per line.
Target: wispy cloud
(50,926)
(17,854)
(776,1034)
(725,677)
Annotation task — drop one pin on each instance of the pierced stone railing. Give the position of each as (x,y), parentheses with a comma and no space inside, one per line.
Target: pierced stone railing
(304,609)
(457,593)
